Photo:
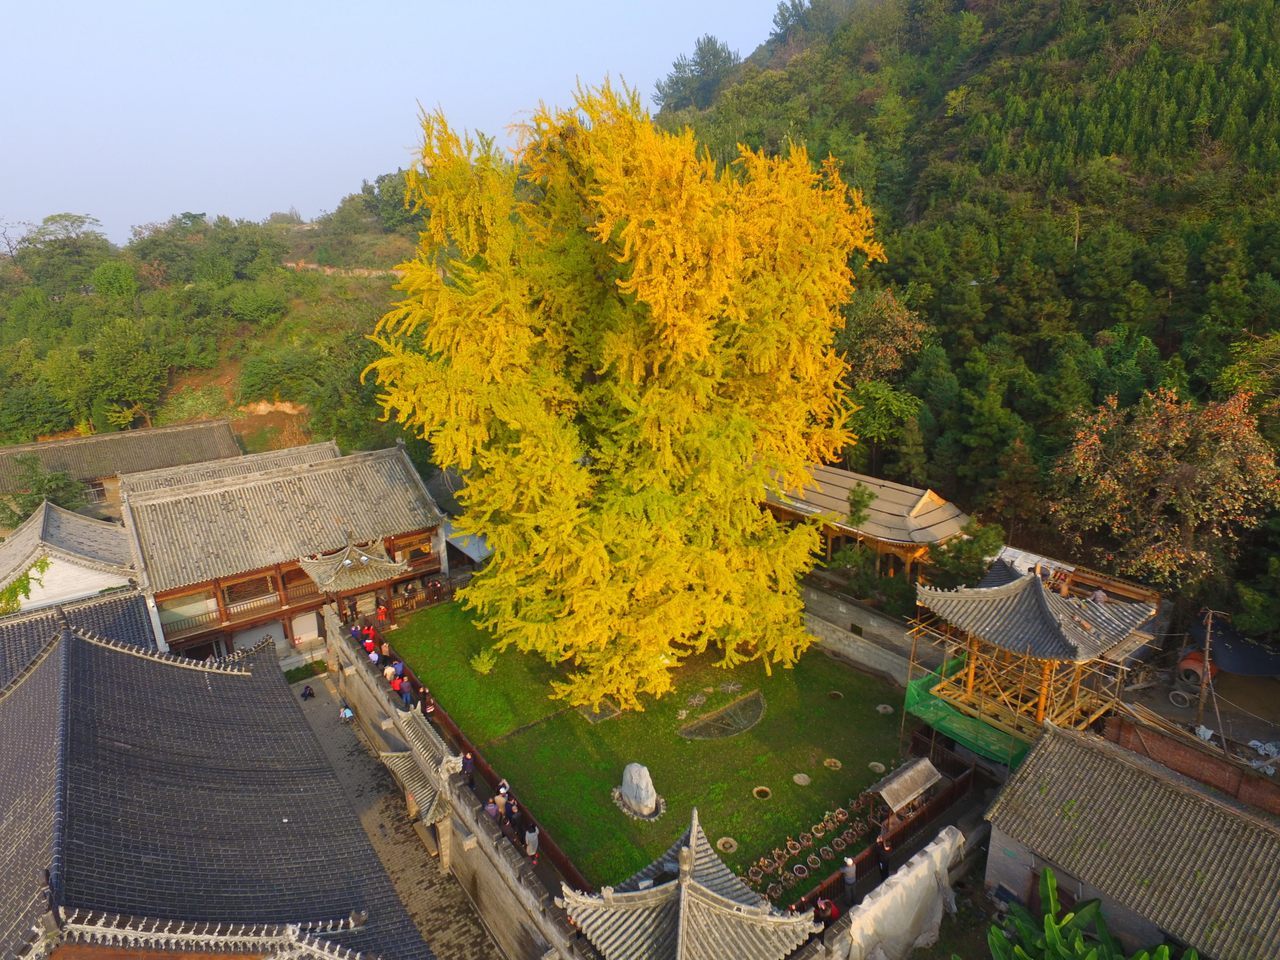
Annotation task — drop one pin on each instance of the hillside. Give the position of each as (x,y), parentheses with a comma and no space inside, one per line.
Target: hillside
(1078,198)
(202,316)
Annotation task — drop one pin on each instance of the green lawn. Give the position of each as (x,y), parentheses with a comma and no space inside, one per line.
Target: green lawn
(563,766)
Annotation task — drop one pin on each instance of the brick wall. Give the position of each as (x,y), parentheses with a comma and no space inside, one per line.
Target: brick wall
(1198,762)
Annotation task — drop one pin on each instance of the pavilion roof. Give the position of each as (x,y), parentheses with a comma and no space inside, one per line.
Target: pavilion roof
(1024,616)
(687,905)
(351,568)
(909,781)
(898,514)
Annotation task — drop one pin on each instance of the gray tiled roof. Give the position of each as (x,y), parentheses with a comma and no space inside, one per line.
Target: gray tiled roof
(54,532)
(899,514)
(110,454)
(1023,616)
(998,574)
(426,794)
(29,745)
(194,533)
(687,905)
(270,836)
(1194,863)
(175,791)
(228,467)
(122,616)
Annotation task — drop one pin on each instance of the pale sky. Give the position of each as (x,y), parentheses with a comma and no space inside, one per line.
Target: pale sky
(133,111)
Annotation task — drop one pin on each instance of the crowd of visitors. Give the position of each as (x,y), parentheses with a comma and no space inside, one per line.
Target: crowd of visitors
(503,807)
(380,654)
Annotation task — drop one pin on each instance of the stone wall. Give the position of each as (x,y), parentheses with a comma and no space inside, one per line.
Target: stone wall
(511,899)
(861,636)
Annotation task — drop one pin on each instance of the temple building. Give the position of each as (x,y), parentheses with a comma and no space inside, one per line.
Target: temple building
(687,905)
(150,803)
(1169,858)
(1023,648)
(900,525)
(237,550)
(98,460)
(81,557)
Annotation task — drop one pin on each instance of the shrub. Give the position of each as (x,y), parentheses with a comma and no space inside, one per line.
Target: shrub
(484,662)
(313,669)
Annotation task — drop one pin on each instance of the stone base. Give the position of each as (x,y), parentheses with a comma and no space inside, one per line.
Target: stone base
(622,805)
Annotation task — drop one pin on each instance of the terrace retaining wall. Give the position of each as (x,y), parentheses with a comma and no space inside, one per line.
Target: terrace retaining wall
(511,899)
(862,636)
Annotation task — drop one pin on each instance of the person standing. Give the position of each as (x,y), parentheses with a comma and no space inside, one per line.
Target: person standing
(850,874)
(406,692)
(531,842)
(429,706)
(468,765)
(883,851)
(515,817)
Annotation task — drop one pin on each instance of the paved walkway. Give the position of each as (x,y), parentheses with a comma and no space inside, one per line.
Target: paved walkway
(435,900)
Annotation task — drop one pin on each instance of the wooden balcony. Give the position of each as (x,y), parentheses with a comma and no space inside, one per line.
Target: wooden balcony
(299,596)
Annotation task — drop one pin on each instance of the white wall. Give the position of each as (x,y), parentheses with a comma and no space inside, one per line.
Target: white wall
(65,581)
(244,639)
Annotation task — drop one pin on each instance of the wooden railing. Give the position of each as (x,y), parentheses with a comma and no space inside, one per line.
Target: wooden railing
(245,609)
(201,621)
(302,591)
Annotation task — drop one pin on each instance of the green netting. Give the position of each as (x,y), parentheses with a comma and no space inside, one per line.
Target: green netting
(980,737)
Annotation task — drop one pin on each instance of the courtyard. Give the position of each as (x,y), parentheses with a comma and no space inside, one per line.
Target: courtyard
(809,736)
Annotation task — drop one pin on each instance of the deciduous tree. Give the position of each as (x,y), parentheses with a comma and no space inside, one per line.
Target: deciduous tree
(622,346)
(34,485)
(1163,489)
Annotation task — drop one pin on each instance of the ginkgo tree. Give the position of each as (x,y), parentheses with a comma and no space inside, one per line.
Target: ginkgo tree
(622,346)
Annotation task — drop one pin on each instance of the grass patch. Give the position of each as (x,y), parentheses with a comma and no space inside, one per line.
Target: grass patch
(196,403)
(564,767)
(315,668)
(439,643)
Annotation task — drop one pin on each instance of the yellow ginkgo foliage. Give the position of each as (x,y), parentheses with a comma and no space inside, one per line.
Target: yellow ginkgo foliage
(622,347)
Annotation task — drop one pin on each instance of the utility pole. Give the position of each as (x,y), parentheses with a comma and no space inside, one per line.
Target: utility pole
(1208,668)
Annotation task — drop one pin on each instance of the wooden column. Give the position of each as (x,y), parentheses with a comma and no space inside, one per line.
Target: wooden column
(971,668)
(1046,675)
(218,599)
(1075,693)
(284,598)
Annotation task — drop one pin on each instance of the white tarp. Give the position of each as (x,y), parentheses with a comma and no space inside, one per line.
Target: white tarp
(904,912)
